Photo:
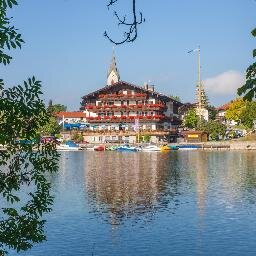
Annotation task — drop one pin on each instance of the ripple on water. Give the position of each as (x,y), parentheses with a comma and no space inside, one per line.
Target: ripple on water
(177,203)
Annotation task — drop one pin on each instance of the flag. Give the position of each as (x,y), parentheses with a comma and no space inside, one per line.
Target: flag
(194,50)
(136,126)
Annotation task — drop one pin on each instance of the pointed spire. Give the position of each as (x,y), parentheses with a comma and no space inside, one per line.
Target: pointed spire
(113,73)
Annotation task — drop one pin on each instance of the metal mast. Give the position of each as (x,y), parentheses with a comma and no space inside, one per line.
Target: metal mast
(201,98)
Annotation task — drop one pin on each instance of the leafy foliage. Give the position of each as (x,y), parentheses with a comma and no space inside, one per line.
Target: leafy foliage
(52,109)
(50,128)
(9,36)
(249,88)
(77,137)
(236,108)
(215,129)
(24,164)
(248,114)
(243,111)
(24,189)
(191,119)
(212,111)
(146,138)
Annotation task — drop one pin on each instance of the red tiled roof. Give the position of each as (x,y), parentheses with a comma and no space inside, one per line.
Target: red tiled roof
(75,114)
(224,107)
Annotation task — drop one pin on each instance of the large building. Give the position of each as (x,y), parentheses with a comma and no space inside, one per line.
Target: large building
(120,110)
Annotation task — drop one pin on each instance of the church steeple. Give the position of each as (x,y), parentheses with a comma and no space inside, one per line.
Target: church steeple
(113,74)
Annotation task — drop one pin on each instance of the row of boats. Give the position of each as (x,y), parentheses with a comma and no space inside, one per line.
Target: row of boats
(148,148)
(71,146)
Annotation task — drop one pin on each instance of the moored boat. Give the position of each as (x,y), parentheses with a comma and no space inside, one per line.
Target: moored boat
(126,148)
(68,146)
(164,148)
(151,148)
(189,147)
(99,148)
(174,147)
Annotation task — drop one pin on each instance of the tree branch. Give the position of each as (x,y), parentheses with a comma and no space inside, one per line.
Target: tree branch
(131,34)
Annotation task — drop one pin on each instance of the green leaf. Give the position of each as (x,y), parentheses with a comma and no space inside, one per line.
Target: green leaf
(13,45)
(254,32)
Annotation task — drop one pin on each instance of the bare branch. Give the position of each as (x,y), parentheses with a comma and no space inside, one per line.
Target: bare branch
(132,33)
(111,2)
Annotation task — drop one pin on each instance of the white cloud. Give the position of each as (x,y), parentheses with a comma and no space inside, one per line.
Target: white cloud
(225,83)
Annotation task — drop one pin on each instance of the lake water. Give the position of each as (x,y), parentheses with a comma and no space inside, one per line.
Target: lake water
(173,203)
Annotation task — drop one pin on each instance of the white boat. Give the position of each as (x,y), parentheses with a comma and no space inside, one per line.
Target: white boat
(126,148)
(188,147)
(151,148)
(68,146)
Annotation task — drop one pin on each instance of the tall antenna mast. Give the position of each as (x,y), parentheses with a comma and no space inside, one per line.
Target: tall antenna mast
(201,99)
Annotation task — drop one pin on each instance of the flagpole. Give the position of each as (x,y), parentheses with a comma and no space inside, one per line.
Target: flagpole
(199,84)
(63,126)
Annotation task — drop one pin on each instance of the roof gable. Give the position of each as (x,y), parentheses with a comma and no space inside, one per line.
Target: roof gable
(125,85)
(75,114)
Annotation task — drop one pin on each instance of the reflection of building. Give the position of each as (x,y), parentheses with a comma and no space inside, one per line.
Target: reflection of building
(115,108)
(201,180)
(124,185)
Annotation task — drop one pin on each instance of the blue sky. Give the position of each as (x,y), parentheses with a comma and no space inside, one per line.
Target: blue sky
(66,50)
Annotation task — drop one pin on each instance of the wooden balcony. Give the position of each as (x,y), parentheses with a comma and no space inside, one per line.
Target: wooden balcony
(137,96)
(137,107)
(127,119)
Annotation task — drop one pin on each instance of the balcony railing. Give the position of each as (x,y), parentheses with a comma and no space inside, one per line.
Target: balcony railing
(145,107)
(127,119)
(122,96)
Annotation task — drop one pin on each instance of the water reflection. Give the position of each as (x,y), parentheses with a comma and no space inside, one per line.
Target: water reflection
(131,184)
(123,185)
(123,203)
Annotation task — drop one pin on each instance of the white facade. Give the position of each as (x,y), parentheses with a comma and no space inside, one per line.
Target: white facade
(203,112)
(112,78)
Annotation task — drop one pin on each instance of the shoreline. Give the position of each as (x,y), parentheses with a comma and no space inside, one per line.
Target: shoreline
(210,145)
(224,145)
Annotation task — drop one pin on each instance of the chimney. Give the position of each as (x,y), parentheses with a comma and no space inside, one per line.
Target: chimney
(146,85)
(151,88)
